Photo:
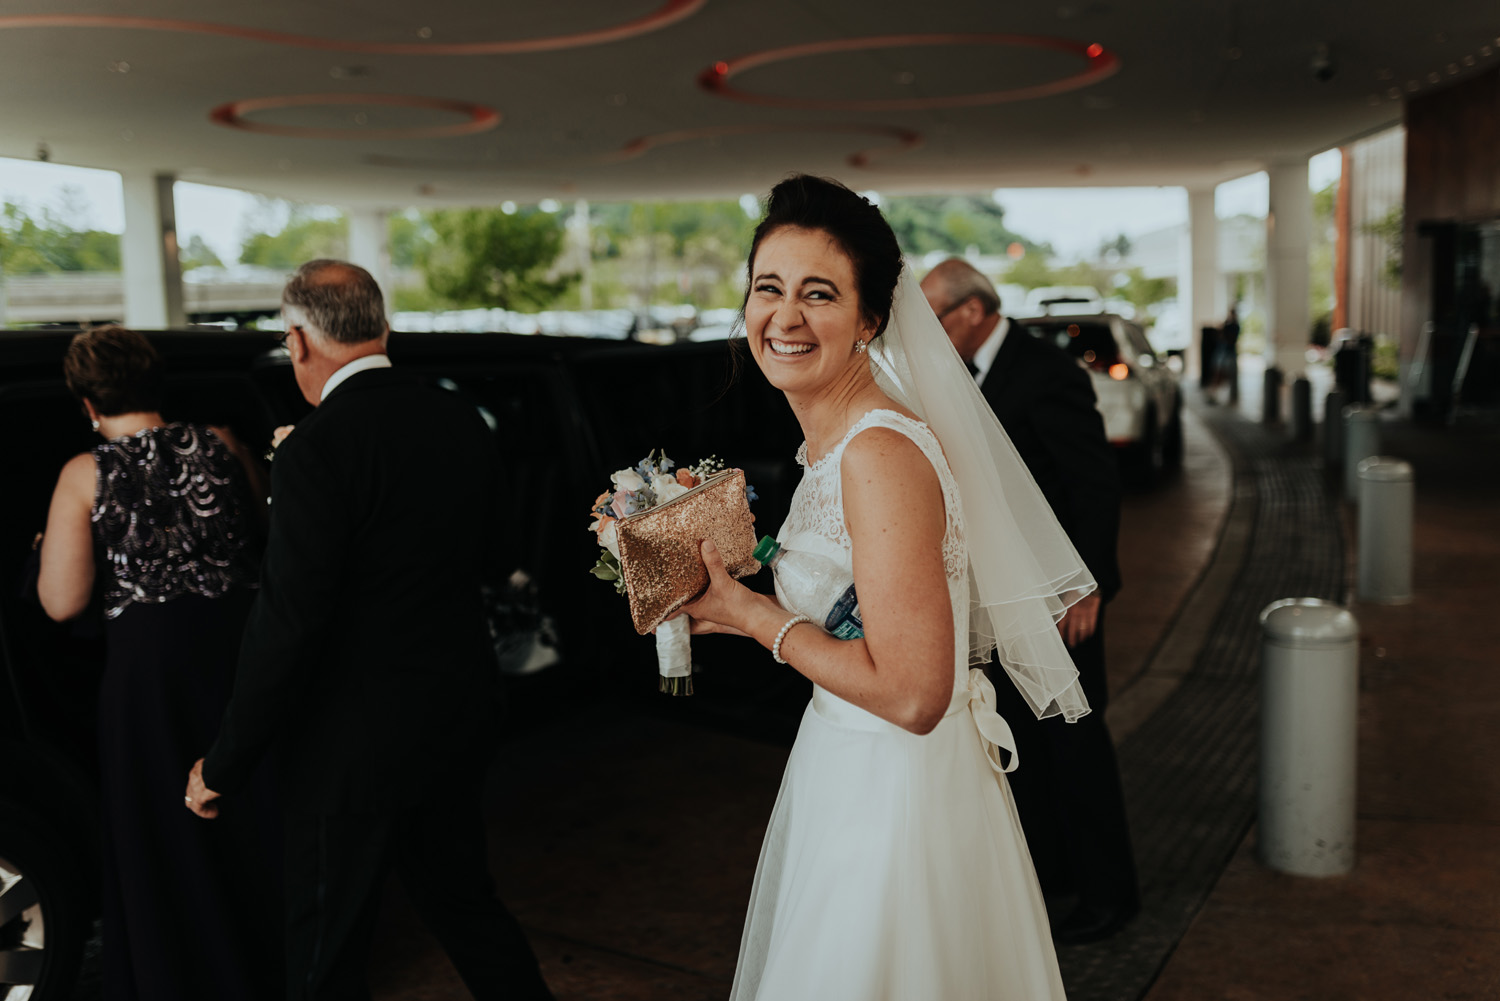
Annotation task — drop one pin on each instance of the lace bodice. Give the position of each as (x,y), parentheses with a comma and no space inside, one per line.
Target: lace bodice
(816,520)
(170,517)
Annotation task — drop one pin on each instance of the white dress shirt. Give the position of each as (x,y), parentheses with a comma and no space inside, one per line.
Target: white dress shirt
(985,356)
(359,364)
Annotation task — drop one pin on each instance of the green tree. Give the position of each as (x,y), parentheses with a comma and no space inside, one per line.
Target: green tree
(198,254)
(1141,291)
(1031,271)
(951,224)
(1390,228)
(486,257)
(305,237)
(31,245)
(409,234)
(1320,260)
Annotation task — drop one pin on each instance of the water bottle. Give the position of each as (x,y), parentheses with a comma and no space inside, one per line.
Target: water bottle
(818,585)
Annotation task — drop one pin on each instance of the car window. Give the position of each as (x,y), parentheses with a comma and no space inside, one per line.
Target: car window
(1137,340)
(1092,343)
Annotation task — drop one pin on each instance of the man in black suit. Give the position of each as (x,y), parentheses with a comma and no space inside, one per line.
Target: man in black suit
(1067,787)
(366,664)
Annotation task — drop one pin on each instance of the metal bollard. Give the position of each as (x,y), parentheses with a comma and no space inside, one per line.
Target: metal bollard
(1308,747)
(1270,397)
(1333,429)
(1386,492)
(1361,440)
(1301,409)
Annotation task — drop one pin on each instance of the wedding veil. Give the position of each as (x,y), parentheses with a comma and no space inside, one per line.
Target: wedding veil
(1023,571)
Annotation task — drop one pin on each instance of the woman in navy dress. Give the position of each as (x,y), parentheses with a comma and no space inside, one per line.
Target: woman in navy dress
(162,518)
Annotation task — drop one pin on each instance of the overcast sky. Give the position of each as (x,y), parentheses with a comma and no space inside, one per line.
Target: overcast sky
(1074,220)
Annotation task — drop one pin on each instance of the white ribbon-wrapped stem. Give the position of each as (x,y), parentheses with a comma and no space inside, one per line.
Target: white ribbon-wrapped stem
(674,655)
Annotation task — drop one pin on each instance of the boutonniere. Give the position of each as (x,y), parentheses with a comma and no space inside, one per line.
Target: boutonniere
(277,437)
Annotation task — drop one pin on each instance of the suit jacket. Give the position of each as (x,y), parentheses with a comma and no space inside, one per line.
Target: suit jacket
(1046,404)
(366,661)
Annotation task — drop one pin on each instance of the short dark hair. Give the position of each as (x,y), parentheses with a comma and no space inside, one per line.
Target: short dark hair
(803,201)
(115,369)
(341,300)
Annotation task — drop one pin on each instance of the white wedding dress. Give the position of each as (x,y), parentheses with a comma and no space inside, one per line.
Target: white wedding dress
(894,868)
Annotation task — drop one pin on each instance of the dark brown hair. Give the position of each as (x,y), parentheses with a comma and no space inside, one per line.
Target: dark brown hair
(856,226)
(115,369)
(340,300)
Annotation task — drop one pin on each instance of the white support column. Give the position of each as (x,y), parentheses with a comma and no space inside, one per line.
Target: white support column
(1288,233)
(1198,285)
(148,253)
(370,246)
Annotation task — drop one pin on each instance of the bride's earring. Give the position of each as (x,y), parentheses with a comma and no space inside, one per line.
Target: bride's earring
(859,347)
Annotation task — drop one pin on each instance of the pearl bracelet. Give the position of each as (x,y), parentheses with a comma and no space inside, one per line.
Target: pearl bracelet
(776,647)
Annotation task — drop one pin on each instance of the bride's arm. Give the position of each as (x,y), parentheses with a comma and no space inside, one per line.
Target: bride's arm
(902,671)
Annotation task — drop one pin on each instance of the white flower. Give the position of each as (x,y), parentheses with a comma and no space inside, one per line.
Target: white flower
(666,487)
(628,480)
(609,539)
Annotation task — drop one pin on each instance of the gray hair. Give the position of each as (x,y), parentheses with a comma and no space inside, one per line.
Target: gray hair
(960,280)
(341,301)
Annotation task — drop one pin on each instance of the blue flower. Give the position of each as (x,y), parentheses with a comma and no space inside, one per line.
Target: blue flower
(750,495)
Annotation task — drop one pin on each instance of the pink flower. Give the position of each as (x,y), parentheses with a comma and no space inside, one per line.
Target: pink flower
(625,504)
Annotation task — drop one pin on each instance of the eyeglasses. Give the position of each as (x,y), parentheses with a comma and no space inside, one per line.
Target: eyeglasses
(954,306)
(281,337)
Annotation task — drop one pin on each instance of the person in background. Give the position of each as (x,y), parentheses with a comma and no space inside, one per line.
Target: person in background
(1068,790)
(367,663)
(1227,356)
(162,516)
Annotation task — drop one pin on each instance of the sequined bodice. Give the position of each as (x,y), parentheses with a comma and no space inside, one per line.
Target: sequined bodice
(170,515)
(816,520)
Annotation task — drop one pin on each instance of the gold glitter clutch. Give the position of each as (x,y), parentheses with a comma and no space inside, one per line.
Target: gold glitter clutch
(659,554)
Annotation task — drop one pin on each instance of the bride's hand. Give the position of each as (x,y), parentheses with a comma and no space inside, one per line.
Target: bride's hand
(723,606)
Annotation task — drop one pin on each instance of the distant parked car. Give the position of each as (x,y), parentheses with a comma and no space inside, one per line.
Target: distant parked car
(1138,395)
(1069,300)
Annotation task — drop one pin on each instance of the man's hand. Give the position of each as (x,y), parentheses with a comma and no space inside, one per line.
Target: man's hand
(200,798)
(1080,621)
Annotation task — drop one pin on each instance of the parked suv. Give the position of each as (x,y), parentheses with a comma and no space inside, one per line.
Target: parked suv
(565,414)
(1138,394)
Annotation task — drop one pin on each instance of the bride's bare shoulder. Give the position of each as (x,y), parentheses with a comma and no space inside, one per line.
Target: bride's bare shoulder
(885,454)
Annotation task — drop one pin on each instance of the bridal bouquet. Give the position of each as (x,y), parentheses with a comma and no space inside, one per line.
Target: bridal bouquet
(649,525)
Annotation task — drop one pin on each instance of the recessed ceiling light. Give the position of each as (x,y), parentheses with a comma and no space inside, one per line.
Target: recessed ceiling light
(1433,77)
(1452,68)
(118,66)
(424,32)
(1393,93)
(1468,60)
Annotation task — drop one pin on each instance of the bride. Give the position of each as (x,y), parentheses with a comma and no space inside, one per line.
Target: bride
(894,866)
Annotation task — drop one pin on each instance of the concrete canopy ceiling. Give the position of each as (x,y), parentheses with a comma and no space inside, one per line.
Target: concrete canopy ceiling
(388,103)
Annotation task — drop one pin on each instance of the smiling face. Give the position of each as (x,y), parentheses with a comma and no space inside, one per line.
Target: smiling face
(802,316)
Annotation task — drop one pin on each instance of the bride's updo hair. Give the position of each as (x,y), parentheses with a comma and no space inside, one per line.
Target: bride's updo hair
(856,227)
